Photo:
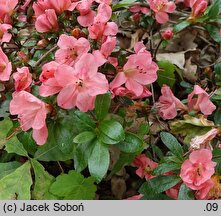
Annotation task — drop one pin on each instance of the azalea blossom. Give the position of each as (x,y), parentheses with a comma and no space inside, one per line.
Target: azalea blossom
(161,9)
(196,171)
(6,10)
(80,84)
(31,114)
(49,85)
(106,49)
(5,66)
(198,8)
(59,6)
(145,166)
(23,79)
(87,15)
(138,71)
(122,92)
(5,36)
(201,103)
(71,49)
(138,8)
(47,22)
(101,28)
(168,104)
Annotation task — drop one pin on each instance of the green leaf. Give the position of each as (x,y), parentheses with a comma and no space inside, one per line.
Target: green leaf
(43,181)
(185,193)
(217,69)
(99,160)
(83,121)
(171,142)
(214,32)
(73,186)
(17,184)
(85,136)
(112,129)
(166,76)
(102,104)
(5,126)
(63,136)
(159,184)
(122,4)
(214,9)
(190,127)
(180,26)
(81,155)
(15,147)
(27,141)
(7,168)
(51,150)
(30,43)
(131,144)
(165,167)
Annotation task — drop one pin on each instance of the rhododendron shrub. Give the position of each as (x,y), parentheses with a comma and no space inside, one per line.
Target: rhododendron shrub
(97,92)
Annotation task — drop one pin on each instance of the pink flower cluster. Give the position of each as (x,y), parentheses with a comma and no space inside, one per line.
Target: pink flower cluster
(196,172)
(168,104)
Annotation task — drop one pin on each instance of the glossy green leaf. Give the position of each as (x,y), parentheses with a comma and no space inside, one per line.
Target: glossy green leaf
(165,167)
(131,144)
(171,142)
(159,184)
(180,26)
(85,136)
(102,104)
(185,193)
(112,129)
(99,160)
(73,186)
(17,184)
(166,74)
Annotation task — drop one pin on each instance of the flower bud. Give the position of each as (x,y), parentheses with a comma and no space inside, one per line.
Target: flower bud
(167,34)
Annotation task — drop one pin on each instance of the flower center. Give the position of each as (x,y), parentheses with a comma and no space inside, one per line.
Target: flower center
(79,83)
(2,67)
(160,6)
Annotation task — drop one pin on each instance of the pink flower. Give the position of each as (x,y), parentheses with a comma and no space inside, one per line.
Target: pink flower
(80,84)
(47,22)
(169,104)
(4,35)
(87,15)
(23,79)
(104,1)
(136,197)
(198,7)
(161,8)
(106,49)
(5,66)
(58,5)
(31,114)
(138,71)
(7,9)
(101,28)
(202,193)
(122,92)
(145,166)
(49,86)
(198,169)
(25,5)
(174,191)
(201,103)
(71,49)
(138,8)
(167,34)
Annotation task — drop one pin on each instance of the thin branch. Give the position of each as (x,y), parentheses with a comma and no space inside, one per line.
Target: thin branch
(45,55)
